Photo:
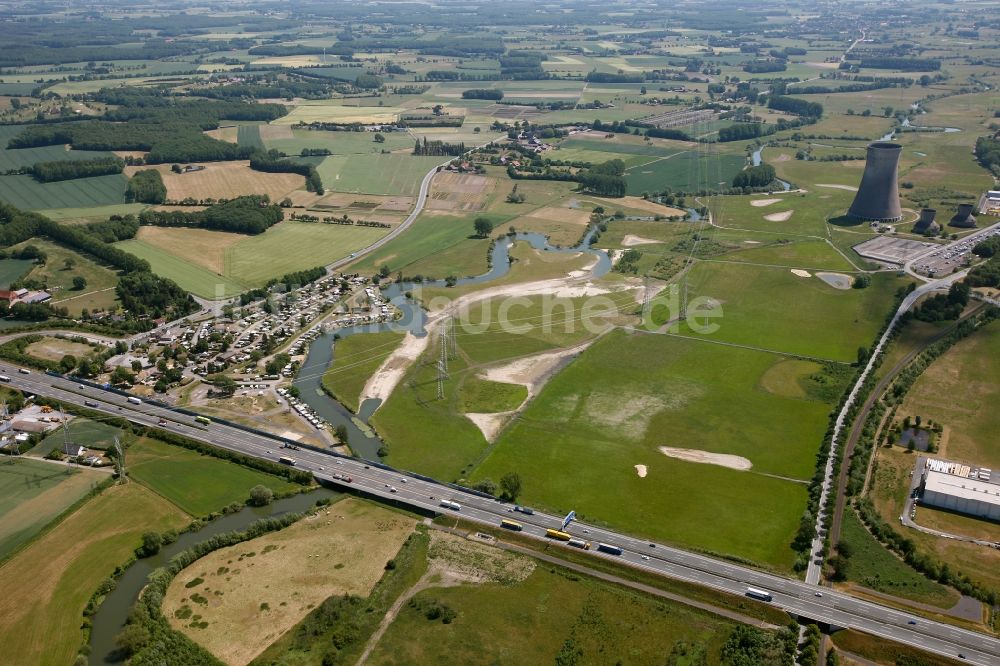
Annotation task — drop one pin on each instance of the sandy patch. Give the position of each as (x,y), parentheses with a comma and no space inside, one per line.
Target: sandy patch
(760,203)
(783,157)
(779,217)
(750,242)
(849,188)
(640,470)
(705,457)
(129,153)
(836,280)
(627,415)
(249,594)
(631,240)
(801,273)
(533,371)
(490,424)
(384,380)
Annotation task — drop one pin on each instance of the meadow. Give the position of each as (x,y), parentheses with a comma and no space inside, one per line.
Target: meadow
(11,160)
(340,143)
(197,484)
(756,309)
(13,269)
(81,431)
(355,358)
(28,194)
(190,277)
(55,576)
(869,564)
(376,174)
(248,595)
(577,444)
(434,245)
(33,493)
(570,614)
(967,374)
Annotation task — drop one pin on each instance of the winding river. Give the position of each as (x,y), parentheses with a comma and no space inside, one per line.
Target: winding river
(110,617)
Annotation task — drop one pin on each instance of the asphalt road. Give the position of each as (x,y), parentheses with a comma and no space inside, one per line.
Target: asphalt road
(796,597)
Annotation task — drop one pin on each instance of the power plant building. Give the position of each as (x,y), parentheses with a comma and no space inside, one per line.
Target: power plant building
(961,488)
(926,223)
(963,219)
(877,199)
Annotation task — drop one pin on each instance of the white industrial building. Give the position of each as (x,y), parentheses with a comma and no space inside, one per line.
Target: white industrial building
(961,488)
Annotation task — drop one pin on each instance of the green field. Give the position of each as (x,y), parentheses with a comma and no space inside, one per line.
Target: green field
(811,254)
(773,309)
(434,246)
(249,135)
(13,269)
(55,576)
(190,277)
(32,493)
(355,358)
(684,172)
(481,395)
(197,484)
(869,564)
(376,174)
(253,260)
(552,614)
(293,246)
(28,194)
(576,444)
(82,432)
(11,160)
(340,143)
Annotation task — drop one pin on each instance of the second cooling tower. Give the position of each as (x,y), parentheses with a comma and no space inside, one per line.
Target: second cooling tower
(878,196)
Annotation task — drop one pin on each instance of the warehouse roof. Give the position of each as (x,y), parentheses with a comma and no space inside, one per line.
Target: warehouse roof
(956,486)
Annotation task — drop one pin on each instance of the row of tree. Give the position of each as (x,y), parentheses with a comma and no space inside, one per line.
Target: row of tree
(146,186)
(252,214)
(48,172)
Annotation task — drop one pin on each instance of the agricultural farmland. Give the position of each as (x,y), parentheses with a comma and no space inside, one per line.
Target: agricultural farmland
(28,194)
(225,180)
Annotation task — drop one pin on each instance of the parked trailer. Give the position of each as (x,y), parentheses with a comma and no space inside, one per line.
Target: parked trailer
(511,525)
(579,543)
(134,400)
(285,460)
(558,534)
(763,595)
(609,548)
(454,506)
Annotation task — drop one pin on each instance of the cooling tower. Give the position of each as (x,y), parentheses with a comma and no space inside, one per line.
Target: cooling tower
(963,218)
(878,195)
(926,223)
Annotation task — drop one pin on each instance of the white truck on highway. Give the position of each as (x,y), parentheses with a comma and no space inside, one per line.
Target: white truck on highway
(448,504)
(134,400)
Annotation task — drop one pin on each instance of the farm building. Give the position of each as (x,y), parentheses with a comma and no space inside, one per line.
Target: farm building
(957,487)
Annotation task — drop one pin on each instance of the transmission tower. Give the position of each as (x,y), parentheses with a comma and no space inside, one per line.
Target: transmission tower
(65,434)
(452,339)
(646,299)
(120,460)
(442,367)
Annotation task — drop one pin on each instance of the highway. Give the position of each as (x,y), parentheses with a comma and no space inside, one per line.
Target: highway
(796,597)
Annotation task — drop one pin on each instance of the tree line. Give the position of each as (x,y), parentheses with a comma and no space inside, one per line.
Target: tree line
(49,172)
(146,186)
(274,162)
(251,214)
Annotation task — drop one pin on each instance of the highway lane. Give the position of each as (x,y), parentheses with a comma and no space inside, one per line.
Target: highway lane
(795,596)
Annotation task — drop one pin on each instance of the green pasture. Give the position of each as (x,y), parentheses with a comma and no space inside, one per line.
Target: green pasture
(189,276)
(197,484)
(569,614)
(392,174)
(772,308)
(33,493)
(28,194)
(355,359)
(577,444)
